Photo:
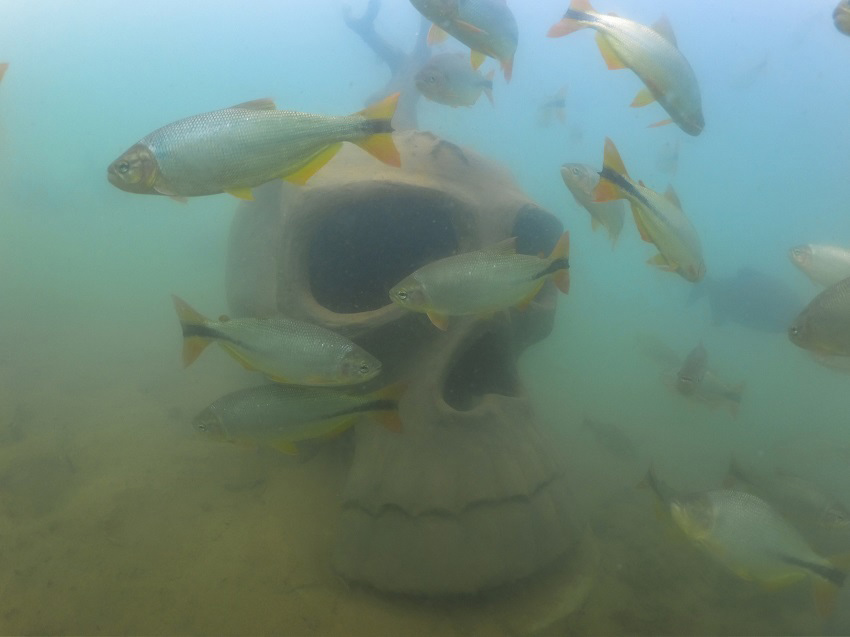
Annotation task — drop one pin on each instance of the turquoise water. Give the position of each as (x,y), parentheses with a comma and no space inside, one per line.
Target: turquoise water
(117,518)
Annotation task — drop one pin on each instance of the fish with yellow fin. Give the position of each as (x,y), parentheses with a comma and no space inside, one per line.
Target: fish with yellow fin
(651,52)
(659,218)
(487,27)
(235,149)
(582,180)
(284,349)
(752,540)
(281,416)
(482,282)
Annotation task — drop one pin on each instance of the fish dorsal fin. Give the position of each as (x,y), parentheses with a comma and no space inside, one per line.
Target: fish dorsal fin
(262,104)
(672,197)
(663,28)
(508,246)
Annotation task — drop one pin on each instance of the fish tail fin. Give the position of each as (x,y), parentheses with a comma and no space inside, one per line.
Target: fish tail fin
(387,415)
(378,141)
(190,318)
(488,87)
(560,258)
(576,17)
(612,167)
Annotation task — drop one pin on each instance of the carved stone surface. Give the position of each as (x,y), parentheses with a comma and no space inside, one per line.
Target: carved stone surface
(469,496)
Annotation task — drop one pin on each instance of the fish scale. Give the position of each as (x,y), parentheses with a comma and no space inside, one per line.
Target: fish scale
(243,147)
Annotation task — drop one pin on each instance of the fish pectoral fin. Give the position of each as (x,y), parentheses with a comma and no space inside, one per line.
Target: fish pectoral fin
(476,58)
(643,98)
(304,173)
(241,193)
(180,198)
(663,122)
(238,356)
(661,262)
(285,446)
(468,27)
(612,60)
(641,226)
(439,320)
(436,35)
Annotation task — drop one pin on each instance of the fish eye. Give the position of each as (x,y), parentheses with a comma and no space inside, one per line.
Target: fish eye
(794,330)
(576,171)
(124,167)
(364,369)
(401,295)
(202,426)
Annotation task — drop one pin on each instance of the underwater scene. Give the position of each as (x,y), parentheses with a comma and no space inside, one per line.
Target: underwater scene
(424,317)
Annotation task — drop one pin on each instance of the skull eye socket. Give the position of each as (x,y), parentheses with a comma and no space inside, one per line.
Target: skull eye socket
(367,243)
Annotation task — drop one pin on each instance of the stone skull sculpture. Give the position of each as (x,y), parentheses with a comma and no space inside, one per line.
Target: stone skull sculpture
(469,496)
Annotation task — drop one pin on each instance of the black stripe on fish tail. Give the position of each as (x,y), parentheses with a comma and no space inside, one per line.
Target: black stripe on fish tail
(376,126)
(200,331)
(625,185)
(830,574)
(573,14)
(558,264)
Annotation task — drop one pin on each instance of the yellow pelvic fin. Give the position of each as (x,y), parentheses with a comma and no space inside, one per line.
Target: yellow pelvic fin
(661,262)
(304,173)
(476,58)
(612,60)
(663,122)
(436,35)
(439,320)
(663,28)
(241,193)
(561,278)
(643,97)
(528,298)
(262,104)
(188,316)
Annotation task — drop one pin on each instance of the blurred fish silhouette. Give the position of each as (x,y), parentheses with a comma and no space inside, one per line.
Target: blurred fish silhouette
(553,108)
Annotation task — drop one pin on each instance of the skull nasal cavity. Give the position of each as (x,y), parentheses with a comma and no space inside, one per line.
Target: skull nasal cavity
(366,245)
(486,367)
